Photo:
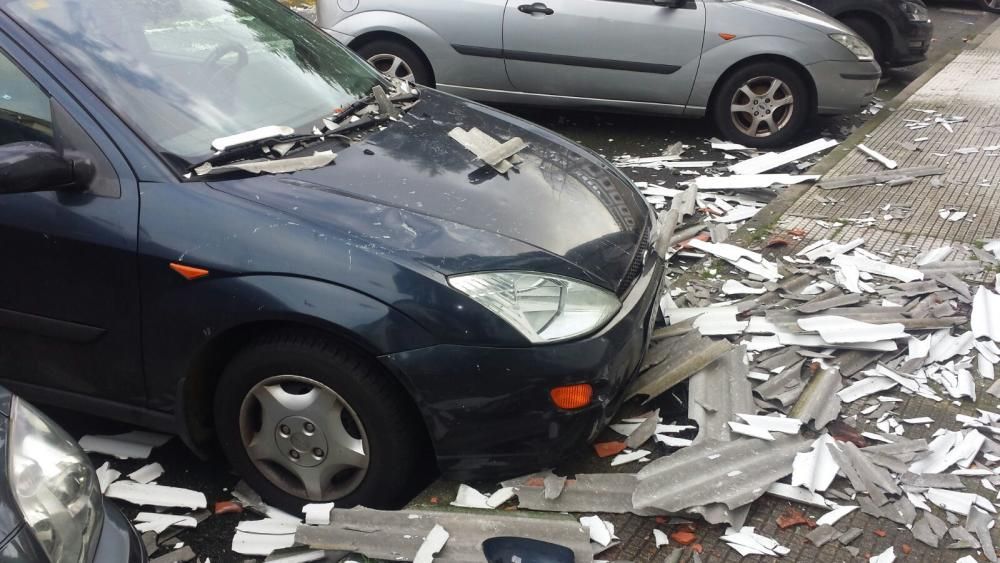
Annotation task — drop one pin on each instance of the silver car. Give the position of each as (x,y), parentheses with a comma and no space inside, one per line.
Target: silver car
(760,68)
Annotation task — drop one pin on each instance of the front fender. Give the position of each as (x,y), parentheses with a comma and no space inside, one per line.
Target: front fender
(216,307)
(720,56)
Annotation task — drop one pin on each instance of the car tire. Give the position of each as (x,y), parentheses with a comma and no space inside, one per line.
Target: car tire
(990,5)
(276,397)
(788,117)
(870,32)
(397,59)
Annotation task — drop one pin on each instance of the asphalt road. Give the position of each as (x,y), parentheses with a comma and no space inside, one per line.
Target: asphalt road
(609,134)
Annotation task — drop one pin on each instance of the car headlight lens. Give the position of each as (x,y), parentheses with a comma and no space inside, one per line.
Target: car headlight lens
(855,45)
(54,485)
(915,12)
(543,307)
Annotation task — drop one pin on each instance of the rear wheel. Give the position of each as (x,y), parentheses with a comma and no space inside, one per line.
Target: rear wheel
(304,420)
(762,104)
(875,39)
(397,60)
(990,5)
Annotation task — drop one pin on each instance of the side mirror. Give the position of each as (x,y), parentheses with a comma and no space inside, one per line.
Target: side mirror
(670,3)
(37,167)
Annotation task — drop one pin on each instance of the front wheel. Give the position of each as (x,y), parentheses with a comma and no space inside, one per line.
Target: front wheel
(761,105)
(990,5)
(304,420)
(397,60)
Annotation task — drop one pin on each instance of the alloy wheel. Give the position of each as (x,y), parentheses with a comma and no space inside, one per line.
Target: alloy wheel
(392,66)
(993,5)
(762,106)
(304,437)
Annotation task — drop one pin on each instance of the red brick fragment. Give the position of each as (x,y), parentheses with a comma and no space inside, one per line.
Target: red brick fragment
(228,507)
(794,517)
(608,449)
(880,533)
(697,548)
(905,548)
(683,537)
(844,432)
(797,232)
(434,500)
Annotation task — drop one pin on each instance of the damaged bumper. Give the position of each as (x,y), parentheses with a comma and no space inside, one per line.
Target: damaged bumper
(838,85)
(488,410)
(119,541)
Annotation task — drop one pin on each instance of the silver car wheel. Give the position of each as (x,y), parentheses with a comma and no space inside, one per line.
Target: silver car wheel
(762,106)
(993,4)
(304,437)
(392,66)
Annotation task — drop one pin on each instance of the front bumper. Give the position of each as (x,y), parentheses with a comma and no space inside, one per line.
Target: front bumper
(488,410)
(844,86)
(911,43)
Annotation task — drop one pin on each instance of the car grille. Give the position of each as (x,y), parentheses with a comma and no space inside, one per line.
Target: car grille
(638,261)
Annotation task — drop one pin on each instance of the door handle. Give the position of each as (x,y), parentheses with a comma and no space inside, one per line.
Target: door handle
(536,8)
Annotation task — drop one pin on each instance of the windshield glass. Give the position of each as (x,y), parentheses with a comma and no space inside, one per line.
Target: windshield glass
(185,72)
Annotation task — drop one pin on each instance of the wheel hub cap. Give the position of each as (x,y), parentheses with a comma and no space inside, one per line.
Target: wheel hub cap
(304,437)
(392,66)
(762,106)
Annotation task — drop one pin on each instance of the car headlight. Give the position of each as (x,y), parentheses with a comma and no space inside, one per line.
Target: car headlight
(543,307)
(915,12)
(855,45)
(54,485)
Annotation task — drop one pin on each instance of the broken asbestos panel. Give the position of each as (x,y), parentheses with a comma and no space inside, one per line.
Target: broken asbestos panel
(815,469)
(819,401)
(589,492)
(397,535)
(841,330)
(986,314)
(500,156)
(717,392)
(732,473)
(688,355)
(840,182)
(770,161)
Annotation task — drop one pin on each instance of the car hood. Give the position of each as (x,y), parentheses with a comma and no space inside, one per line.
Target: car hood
(562,199)
(797,11)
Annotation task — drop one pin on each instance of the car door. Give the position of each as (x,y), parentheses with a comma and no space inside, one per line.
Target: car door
(69,303)
(630,50)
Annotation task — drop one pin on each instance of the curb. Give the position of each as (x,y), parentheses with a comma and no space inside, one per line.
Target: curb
(774,210)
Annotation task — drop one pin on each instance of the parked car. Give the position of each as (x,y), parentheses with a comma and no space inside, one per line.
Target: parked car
(758,68)
(898,31)
(51,507)
(222,223)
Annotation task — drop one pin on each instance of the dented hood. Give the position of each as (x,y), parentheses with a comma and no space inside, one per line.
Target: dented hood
(562,199)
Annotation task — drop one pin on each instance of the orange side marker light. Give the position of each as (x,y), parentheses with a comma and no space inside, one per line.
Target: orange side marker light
(572,397)
(727,36)
(189,272)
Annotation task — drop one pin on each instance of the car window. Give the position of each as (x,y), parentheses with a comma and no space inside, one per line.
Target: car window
(24,107)
(182,73)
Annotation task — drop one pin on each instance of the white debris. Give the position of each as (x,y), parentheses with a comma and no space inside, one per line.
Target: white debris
(261,537)
(147,473)
(672,441)
(661,538)
(957,501)
(106,476)
(131,445)
(752,431)
(749,182)
(887,162)
(770,161)
(433,543)
(318,514)
(932,256)
(468,497)
(158,523)
(881,268)
(815,469)
(834,516)
(156,495)
(841,330)
(782,424)
(865,387)
(748,542)
(623,458)
(887,556)
(797,494)
(986,314)
(733,287)
(601,531)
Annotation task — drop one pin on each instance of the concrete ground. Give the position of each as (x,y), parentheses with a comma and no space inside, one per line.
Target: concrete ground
(611,135)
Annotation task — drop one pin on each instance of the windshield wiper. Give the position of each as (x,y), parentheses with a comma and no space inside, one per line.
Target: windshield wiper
(266,142)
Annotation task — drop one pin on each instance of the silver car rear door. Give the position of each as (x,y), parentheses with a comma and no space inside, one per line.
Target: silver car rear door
(631,50)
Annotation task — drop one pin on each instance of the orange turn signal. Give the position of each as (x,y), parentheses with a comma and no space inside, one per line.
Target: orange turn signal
(727,36)
(572,396)
(188,272)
